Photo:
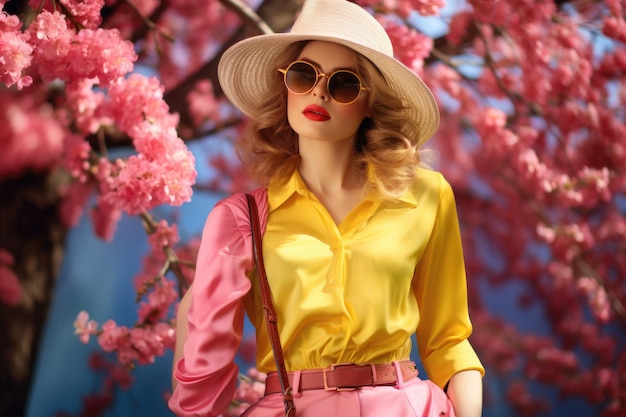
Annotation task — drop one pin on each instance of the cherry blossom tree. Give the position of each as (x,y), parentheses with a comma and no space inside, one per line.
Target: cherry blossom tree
(533,140)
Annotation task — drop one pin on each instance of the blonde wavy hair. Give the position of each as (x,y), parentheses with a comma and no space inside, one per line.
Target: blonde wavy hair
(387,149)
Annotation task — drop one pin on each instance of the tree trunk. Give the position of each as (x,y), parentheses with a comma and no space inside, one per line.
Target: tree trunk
(31,231)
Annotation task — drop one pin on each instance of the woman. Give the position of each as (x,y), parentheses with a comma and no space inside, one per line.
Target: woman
(361,245)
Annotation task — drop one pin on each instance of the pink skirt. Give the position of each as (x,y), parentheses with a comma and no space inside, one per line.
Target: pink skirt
(413,398)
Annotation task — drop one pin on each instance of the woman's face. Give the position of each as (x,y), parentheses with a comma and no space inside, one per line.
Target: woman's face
(315,115)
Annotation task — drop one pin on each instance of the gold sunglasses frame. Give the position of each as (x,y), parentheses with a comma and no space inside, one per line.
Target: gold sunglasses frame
(320,75)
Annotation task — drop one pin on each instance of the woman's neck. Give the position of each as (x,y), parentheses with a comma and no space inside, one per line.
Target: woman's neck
(327,167)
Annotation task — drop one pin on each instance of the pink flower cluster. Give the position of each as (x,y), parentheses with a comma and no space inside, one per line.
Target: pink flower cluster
(164,235)
(31,137)
(203,106)
(57,49)
(197,28)
(136,345)
(403,8)
(15,51)
(153,331)
(85,13)
(161,172)
(250,389)
(410,46)
(532,139)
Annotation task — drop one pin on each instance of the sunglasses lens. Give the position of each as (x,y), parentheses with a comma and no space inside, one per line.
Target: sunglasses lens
(301,77)
(344,86)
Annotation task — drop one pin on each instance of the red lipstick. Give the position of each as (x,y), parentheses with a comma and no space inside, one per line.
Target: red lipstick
(316,113)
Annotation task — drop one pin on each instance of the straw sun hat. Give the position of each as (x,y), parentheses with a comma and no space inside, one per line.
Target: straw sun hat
(245,68)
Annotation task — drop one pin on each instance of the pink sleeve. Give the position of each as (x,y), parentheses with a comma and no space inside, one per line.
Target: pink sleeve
(207,374)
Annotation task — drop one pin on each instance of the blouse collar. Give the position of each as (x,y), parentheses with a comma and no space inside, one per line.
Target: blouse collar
(280,191)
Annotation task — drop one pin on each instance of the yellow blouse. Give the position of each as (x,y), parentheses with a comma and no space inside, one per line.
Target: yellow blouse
(357,291)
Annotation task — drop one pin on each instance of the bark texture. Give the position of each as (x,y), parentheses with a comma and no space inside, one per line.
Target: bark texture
(30,230)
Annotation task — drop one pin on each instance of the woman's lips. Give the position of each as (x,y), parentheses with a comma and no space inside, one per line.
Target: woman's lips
(316,113)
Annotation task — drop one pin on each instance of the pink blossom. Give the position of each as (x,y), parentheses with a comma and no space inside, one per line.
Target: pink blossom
(74,197)
(138,99)
(597,297)
(105,217)
(15,57)
(8,23)
(112,336)
(546,233)
(615,6)
(31,137)
(410,46)
(495,119)
(51,38)
(166,334)
(102,53)
(423,7)
(85,104)
(142,184)
(458,28)
(532,168)
(85,327)
(491,11)
(105,171)
(159,301)
(163,171)
(615,27)
(76,153)
(151,273)
(118,339)
(404,7)
(203,106)
(165,235)
(140,339)
(151,342)
(247,350)
(86,13)
(123,376)
(250,389)
(130,189)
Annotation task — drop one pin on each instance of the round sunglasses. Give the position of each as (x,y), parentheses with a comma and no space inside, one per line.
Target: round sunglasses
(343,86)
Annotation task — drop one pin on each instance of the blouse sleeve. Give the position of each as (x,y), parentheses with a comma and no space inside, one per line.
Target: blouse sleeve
(207,374)
(441,290)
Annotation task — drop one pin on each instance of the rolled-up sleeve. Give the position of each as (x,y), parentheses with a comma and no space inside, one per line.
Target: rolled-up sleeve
(207,373)
(441,289)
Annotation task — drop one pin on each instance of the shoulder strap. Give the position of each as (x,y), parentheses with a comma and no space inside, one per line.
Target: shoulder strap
(268,308)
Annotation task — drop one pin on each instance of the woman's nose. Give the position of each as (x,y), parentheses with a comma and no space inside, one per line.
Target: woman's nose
(321,88)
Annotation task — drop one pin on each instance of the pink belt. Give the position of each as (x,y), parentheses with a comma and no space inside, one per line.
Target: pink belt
(345,376)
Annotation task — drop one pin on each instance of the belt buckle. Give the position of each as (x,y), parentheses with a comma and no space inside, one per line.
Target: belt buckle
(338,365)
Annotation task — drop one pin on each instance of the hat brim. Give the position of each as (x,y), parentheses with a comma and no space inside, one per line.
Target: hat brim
(244,75)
